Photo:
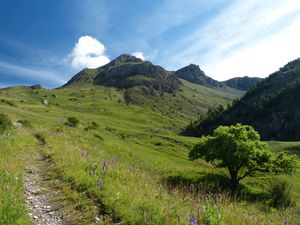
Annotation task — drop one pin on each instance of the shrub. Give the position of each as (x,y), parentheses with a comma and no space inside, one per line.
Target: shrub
(5,123)
(92,126)
(25,123)
(41,138)
(72,121)
(8,102)
(280,194)
(212,215)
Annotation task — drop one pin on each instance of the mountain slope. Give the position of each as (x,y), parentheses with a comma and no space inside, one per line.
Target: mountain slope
(143,83)
(194,74)
(143,156)
(243,83)
(272,107)
(127,71)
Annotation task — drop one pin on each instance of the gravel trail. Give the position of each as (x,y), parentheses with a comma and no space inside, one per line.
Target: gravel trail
(39,197)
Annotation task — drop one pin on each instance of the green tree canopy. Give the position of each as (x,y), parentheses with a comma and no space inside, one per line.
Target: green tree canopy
(239,149)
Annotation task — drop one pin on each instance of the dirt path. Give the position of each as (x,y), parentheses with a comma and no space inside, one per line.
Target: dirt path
(39,196)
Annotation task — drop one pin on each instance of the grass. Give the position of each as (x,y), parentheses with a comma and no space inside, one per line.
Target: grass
(12,167)
(141,149)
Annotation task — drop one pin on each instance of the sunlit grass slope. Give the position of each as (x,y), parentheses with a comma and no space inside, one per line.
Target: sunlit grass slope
(127,158)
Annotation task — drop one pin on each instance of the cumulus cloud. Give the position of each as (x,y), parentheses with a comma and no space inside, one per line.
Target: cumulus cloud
(139,55)
(88,53)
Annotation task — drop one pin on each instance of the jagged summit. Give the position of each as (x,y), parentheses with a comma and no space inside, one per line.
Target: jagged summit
(194,74)
(126,58)
(127,71)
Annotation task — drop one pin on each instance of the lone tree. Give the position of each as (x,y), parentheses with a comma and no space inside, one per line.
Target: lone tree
(239,149)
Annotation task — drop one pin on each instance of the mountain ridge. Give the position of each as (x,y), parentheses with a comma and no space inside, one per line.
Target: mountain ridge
(242,83)
(272,107)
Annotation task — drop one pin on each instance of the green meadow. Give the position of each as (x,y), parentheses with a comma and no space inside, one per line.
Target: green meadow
(127,160)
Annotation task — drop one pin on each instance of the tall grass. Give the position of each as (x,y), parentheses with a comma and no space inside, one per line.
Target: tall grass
(12,165)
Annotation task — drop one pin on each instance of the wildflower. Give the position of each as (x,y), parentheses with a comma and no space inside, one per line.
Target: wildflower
(198,212)
(193,220)
(104,168)
(99,183)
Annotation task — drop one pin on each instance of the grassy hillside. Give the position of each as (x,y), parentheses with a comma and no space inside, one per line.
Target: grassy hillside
(272,107)
(189,101)
(148,180)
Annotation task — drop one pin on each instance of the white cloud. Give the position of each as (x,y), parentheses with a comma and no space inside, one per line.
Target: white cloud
(88,53)
(251,38)
(139,55)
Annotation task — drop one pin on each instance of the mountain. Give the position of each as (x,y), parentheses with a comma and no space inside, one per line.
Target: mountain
(143,83)
(194,74)
(127,71)
(243,83)
(272,107)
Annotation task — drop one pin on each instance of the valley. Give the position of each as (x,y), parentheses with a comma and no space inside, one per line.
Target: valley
(149,178)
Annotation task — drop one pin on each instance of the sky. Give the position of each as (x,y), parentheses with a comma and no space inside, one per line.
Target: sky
(47,42)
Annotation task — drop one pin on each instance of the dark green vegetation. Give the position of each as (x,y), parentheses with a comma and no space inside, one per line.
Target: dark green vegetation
(149,178)
(72,121)
(272,107)
(243,83)
(5,123)
(239,149)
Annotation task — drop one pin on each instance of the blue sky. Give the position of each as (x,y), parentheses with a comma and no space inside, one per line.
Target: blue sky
(47,42)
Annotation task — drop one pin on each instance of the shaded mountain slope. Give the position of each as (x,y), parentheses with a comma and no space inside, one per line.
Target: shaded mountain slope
(272,107)
(243,83)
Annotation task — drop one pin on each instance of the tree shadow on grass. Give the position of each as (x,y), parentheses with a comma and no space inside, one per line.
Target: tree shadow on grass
(210,184)
(293,150)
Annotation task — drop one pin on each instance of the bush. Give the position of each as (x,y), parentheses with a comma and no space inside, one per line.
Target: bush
(280,194)
(212,215)
(41,138)
(92,126)
(5,123)
(72,121)
(25,123)
(8,102)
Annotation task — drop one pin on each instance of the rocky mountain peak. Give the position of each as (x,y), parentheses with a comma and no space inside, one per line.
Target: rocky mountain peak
(194,74)
(126,58)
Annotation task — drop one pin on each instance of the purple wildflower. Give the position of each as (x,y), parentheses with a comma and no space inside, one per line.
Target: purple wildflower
(113,160)
(198,212)
(104,168)
(193,220)
(99,183)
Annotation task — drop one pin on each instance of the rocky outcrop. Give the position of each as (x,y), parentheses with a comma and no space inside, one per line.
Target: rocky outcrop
(130,74)
(127,71)
(36,86)
(194,74)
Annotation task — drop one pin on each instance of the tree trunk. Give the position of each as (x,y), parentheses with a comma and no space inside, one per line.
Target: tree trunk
(234,181)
